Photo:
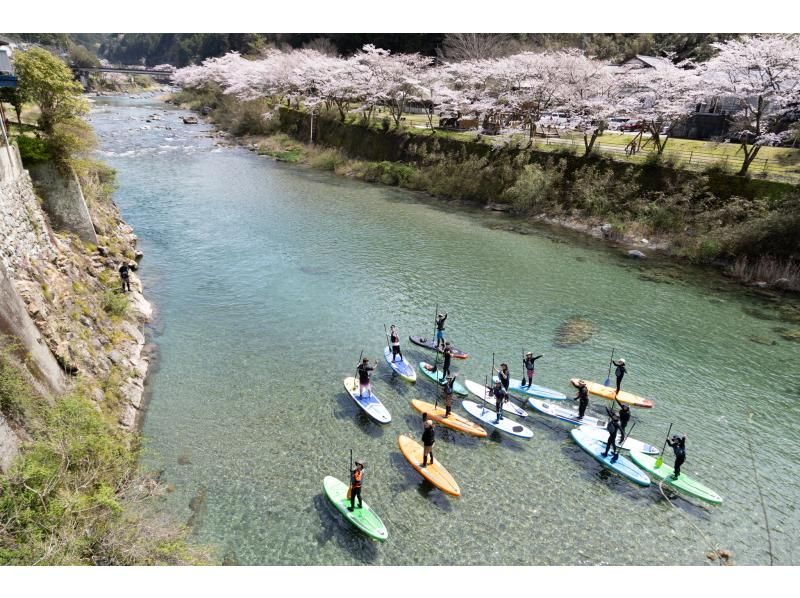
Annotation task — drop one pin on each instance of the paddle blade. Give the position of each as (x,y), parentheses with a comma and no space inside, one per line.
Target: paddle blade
(349,492)
(607,381)
(659,461)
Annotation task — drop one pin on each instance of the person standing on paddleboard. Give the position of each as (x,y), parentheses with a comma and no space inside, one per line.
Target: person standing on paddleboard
(447,391)
(394,341)
(504,375)
(582,397)
(613,428)
(624,416)
(440,318)
(620,372)
(356,477)
(678,444)
(364,370)
(428,440)
(528,364)
(448,354)
(500,396)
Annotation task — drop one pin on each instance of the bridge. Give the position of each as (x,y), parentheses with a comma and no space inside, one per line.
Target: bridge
(82,72)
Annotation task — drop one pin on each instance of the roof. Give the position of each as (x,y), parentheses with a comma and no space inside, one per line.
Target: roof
(5,64)
(653,62)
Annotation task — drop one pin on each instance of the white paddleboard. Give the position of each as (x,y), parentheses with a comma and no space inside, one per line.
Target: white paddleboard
(489,417)
(482,392)
(368,402)
(565,414)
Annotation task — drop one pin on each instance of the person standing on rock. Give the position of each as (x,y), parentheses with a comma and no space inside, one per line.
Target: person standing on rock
(124,274)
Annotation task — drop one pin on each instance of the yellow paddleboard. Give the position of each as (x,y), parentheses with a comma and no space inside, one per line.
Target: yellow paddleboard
(435,473)
(453,421)
(610,393)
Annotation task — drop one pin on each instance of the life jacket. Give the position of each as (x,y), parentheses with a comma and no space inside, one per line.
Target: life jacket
(357,475)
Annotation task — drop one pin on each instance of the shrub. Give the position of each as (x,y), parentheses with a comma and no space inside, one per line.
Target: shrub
(32,149)
(15,394)
(538,188)
(115,303)
(327,159)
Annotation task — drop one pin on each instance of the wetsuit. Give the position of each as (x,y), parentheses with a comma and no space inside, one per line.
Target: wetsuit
(679,446)
(428,439)
(620,372)
(500,395)
(448,354)
(125,276)
(505,377)
(583,400)
(624,417)
(528,363)
(447,388)
(355,484)
(394,341)
(363,377)
(440,329)
(613,429)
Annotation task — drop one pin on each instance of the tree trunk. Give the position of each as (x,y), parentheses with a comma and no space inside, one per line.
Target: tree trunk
(589,142)
(749,156)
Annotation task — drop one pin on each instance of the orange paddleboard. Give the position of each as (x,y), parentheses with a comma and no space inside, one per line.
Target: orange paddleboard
(453,421)
(435,473)
(609,393)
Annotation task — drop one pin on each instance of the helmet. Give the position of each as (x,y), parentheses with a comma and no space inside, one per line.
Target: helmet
(622,361)
(529,353)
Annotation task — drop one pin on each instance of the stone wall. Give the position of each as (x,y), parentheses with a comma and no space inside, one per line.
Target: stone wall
(63,201)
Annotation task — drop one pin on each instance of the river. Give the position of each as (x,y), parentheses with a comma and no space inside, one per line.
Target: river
(269,279)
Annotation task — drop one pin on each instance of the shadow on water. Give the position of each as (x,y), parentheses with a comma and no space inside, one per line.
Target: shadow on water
(336,528)
(412,479)
(347,410)
(592,471)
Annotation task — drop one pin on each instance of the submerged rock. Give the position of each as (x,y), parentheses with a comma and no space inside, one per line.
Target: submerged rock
(636,254)
(575,331)
(762,340)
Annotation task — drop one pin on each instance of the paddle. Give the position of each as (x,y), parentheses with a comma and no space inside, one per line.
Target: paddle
(624,436)
(388,342)
(349,477)
(608,377)
(660,460)
(524,370)
(434,339)
(355,378)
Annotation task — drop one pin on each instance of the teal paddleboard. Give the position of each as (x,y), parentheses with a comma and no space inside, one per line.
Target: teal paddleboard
(618,464)
(365,519)
(438,377)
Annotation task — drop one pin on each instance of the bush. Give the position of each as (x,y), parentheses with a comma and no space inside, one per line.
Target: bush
(328,159)
(32,150)
(71,138)
(538,188)
(115,303)
(15,394)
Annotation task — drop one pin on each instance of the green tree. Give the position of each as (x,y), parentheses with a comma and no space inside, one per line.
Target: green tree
(45,80)
(13,96)
(81,56)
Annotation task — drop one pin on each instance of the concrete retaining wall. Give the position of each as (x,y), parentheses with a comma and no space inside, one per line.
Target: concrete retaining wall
(64,201)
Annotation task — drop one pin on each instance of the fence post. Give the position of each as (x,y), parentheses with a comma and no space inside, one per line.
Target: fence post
(765,165)
(691,153)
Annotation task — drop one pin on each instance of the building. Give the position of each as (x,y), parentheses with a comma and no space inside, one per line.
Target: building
(640,61)
(7,76)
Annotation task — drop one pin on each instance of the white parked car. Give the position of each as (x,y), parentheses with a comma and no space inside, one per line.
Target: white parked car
(615,122)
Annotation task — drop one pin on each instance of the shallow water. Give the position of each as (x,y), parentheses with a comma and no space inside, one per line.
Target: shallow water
(269,279)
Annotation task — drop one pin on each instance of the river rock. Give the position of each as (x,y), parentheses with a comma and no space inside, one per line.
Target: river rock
(636,254)
(606,229)
(782,283)
(575,331)
(138,255)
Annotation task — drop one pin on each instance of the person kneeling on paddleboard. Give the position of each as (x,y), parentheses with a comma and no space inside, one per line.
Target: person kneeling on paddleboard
(447,390)
(678,444)
(364,370)
(528,364)
(356,477)
(613,428)
(500,396)
(394,341)
(582,397)
(620,371)
(440,329)
(428,440)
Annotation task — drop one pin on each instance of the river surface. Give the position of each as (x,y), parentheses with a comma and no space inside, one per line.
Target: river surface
(269,279)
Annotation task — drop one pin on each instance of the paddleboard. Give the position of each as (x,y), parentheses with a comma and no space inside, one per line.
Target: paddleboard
(401,367)
(482,392)
(430,343)
(453,421)
(683,484)
(515,387)
(489,417)
(565,413)
(365,519)
(630,444)
(609,393)
(438,377)
(618,464)
(369,403)
(434,472)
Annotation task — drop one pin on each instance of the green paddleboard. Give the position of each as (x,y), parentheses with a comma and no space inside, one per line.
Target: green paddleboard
(683,484)
(364,518)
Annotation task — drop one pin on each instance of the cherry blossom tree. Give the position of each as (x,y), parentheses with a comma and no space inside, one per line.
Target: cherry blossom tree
(763,74)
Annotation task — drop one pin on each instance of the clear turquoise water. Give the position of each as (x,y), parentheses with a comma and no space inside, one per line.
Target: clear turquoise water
(269,279)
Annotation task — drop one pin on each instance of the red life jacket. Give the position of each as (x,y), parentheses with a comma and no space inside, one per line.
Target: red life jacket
(357,475)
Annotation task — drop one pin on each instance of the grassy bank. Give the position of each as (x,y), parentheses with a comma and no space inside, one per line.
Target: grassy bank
(707,216)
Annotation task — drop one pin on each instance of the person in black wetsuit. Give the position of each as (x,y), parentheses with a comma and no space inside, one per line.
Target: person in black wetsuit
(528,364)
(364,369)
(394,342)
(504,375)
(356,476)
(624,416)
(440,329)
(447,390)
(124,274)
(678,444)
(613,429)
(582,397)
(428,440)
(448,354)
(620,372)
(500,396)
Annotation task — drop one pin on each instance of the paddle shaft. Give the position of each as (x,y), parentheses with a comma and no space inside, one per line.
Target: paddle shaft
(608,376)
(355,378)
(660,460)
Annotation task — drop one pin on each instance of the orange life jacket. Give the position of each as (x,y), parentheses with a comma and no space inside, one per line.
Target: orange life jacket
(357,475)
